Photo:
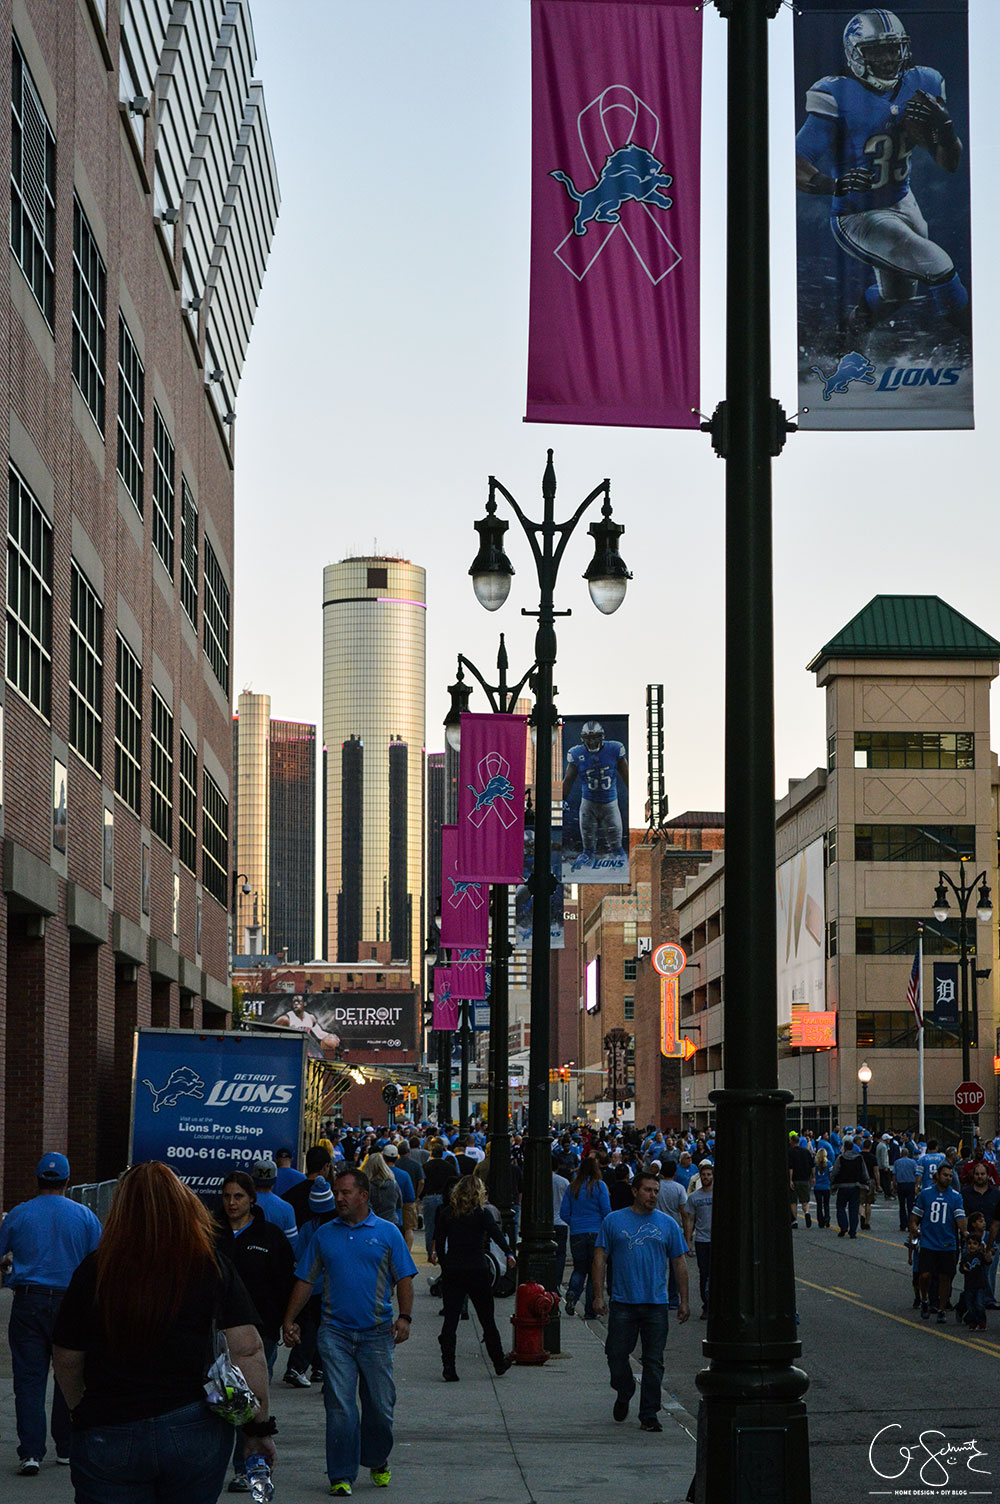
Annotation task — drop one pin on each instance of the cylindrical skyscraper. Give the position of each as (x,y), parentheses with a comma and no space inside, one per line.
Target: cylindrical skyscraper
(374,667)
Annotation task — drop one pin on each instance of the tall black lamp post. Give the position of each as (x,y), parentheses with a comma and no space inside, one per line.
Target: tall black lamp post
(864,1076)
(984,913)
(607,578)
(502,699)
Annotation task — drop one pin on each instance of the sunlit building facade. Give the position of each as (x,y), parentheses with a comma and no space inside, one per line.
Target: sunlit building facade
(373,731)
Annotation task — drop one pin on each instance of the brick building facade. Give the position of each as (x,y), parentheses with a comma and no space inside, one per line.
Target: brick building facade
(143,201)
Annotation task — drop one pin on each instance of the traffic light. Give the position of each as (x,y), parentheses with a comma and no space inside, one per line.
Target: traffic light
(553,1074)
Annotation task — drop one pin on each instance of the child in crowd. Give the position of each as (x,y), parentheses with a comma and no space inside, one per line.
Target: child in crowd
(974,1265)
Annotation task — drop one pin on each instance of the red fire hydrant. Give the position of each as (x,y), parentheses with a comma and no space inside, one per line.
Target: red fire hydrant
(532,1309)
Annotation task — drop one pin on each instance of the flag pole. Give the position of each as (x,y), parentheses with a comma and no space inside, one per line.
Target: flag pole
(920,1031)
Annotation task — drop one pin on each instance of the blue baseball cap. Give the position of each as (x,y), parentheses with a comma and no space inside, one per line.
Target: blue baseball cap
(53,1167)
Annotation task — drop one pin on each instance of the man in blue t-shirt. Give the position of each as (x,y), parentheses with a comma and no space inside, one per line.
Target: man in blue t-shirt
(904,1177)
(642,1245)
(938,1216)
(358,1258)
(928,1162)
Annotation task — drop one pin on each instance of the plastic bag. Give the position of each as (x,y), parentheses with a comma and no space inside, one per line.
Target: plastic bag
(226,1390)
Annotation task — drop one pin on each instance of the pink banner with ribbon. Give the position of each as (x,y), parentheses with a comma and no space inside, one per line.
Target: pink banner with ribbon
(615,213)
(468,975)
(465,906)
(491,799)
(445,1015)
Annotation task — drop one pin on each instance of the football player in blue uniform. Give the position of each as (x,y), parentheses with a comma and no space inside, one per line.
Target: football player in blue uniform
(861,129)
(598,764)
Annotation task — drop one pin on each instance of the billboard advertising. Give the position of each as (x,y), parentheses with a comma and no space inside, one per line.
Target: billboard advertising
(207,1104)
(523,916)
(801,933)
(354,1021)
(595,799)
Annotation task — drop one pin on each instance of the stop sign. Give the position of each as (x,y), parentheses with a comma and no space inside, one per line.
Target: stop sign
(970,1098)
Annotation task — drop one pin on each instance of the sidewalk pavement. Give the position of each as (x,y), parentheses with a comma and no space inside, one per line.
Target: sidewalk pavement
(535,1436)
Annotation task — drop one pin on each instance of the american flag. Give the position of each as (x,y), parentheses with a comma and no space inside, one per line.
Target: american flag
(913,991)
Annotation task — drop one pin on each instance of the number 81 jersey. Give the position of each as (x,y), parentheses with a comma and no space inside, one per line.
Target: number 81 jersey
(597,771)
(849,126)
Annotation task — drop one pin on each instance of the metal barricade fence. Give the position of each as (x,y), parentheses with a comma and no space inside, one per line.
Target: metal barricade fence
(95,1195)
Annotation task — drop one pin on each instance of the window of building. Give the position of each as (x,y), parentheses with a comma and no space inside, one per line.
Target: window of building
(378,579)
(831,938)
(914,749)
(215,841)
(216,614)
(629,931)
(895,936)
(831,846)
(32,186)
(831,754)
(913,843)
(161,769)
(128,725)
(629,1008)
(89,324)
(189,553)
(86,667)
(897,1030)
(163,491)
(631,968)
(29,594)
(187,805)
(131,407)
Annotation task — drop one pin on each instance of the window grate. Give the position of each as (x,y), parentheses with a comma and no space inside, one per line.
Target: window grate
(163,491)
(216,614)
(215,841)
(32,186)
(131,423)
(86,668)
(128,725)
(29,594)
(89,325)
(189,553)
(187,811)
(161,769)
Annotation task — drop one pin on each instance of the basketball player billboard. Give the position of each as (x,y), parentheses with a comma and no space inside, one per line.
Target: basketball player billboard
(595,799)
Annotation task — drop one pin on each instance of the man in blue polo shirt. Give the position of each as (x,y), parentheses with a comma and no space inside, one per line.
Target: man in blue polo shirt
(939,1216)
(42,1241)
(358,1258)
(904,1177)
(642,1244)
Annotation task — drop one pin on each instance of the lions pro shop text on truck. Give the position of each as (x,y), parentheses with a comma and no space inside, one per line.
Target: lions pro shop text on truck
(206,1104)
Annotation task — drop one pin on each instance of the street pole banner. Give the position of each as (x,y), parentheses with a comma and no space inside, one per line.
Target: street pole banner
(884,230)
(445,1014)
(491,798)
(524,904)
(468,975)
(595,799)
(615,212)
(945,1011)
(465,906)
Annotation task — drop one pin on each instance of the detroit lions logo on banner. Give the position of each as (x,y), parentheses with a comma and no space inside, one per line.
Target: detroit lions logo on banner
(182,1082)
(460,892)
(629,173)
(497,788)
(853,367)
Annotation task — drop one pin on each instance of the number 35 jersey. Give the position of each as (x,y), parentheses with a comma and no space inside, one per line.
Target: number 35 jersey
(597,771)
(848,126)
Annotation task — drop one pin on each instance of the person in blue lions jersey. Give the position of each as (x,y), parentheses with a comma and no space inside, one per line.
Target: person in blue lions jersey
(862,127)
(597,764)
(938,1215)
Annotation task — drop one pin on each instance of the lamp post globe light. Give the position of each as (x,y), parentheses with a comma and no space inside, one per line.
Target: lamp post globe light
(984,913)
(864,1076)
(607,578)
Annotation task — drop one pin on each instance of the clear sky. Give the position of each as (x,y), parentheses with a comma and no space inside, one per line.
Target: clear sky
(386,380)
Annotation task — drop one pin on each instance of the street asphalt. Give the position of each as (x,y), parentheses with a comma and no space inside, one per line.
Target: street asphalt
(541,1435)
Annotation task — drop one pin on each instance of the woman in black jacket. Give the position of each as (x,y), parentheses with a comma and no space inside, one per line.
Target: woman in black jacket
(463,1230)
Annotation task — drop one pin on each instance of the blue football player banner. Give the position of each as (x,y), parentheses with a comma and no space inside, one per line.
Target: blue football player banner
(884,242)
(595,799)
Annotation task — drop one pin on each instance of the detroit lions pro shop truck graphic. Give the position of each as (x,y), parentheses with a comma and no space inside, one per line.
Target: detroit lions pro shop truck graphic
(206,1104)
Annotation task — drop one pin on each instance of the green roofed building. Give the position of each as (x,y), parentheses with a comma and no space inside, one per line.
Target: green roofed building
(909,789)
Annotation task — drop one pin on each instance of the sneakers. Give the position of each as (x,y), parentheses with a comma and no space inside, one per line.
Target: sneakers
(925,1310)
(809,1220)
(942,1316)
(570,1308)
(650,1425)
(296,1380)
(917,1302)
(340,1487)
(63,1461)
(620,1410)
(239,1484)
(381,1476)
(29,1467)
(501,1368)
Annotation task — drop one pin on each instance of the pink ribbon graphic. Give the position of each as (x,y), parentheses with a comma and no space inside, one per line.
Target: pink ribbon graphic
(462,891)
(493,774)
(614,119)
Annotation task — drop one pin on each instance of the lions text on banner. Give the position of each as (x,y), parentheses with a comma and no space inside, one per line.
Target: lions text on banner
(491,798)
(465,906)
(445,1015)
(615,212)
(884,238)
(595,799)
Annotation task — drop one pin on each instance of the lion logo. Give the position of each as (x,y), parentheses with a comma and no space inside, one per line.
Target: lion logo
(631,172)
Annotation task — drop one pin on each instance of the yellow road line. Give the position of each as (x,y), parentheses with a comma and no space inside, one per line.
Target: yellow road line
(977,1347)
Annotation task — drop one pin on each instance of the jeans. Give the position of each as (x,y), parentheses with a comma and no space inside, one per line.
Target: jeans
(180,1455)
(353,1360)
(431,1204)
(32,1317)
(848,1197)
(975,1307)
(906,1195)
(581,1247)
(458,1287)
(626,1325)
(703,1255)
(302,1357)
(822,1207)
(561,1235)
